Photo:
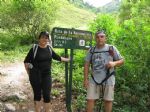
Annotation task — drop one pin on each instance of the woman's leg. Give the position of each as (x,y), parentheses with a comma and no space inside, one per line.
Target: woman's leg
(47,107)
(35,81)
(46,87)
(37,105)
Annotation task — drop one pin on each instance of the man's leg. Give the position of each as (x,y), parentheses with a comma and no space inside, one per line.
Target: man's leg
(108,98)
(108,106)
(92,95)
(90,105)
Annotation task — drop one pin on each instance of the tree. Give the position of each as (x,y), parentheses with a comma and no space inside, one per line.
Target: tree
(134,41)
(27,17)
(107,23)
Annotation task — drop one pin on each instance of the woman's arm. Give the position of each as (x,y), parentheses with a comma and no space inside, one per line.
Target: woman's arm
(27,60)
(55,56)
(26,65)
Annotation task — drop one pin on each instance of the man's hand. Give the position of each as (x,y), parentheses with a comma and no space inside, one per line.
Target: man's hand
(111,64)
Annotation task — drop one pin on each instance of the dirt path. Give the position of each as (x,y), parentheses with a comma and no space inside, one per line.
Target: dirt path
(16,92)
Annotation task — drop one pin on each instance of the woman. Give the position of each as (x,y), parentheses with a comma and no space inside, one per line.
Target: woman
(38,67)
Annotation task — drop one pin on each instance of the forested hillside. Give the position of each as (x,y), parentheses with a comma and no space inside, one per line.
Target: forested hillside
(111,7)
(128,29)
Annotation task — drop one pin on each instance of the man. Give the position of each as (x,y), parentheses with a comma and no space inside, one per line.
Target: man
(103,58)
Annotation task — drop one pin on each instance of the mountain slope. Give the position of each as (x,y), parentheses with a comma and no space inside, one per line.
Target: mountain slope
(72,17)
(110,7)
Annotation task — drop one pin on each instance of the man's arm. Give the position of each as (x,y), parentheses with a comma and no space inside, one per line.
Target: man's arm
(86,72)
(119,63)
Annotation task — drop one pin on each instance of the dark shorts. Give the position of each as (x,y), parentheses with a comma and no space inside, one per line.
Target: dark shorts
(41,84)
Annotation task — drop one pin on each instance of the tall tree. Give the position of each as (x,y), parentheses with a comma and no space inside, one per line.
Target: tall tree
(107,23)
(134,40)
(27,16)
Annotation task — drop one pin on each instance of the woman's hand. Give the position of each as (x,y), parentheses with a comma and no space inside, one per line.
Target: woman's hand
(65,59)
(27,67)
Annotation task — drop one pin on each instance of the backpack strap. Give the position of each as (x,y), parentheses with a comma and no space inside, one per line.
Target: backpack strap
(50,49)
(92,51)
(35,48)
(108,75)
(111,50)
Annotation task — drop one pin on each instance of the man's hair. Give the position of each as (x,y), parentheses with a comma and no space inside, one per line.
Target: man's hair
(99,32)
(44,33)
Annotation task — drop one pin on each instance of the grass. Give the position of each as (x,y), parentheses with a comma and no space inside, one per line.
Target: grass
(55,92)
(16,55)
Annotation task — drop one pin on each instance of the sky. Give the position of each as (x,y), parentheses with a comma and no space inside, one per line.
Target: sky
(97,3)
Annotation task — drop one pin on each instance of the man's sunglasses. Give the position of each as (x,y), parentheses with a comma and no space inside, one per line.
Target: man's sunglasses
(100,36)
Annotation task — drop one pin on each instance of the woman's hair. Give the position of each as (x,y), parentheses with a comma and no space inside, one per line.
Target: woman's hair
(44,33)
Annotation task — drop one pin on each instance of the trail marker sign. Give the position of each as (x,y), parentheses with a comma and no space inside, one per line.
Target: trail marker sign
(71,38)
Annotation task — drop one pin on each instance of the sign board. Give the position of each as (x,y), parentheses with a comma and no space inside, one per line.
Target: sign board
(71,38)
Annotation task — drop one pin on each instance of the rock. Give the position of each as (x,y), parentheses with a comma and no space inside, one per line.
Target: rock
(53,97)
(30,111)
(13,97)
(3,74)
(2,108)
(10,107)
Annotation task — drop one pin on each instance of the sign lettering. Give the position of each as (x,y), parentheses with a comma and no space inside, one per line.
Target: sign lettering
(71,38)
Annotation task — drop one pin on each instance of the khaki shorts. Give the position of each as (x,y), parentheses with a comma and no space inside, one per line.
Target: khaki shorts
(95,92)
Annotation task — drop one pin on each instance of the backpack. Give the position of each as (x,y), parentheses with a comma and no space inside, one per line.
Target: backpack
(35,48)
(108,74)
